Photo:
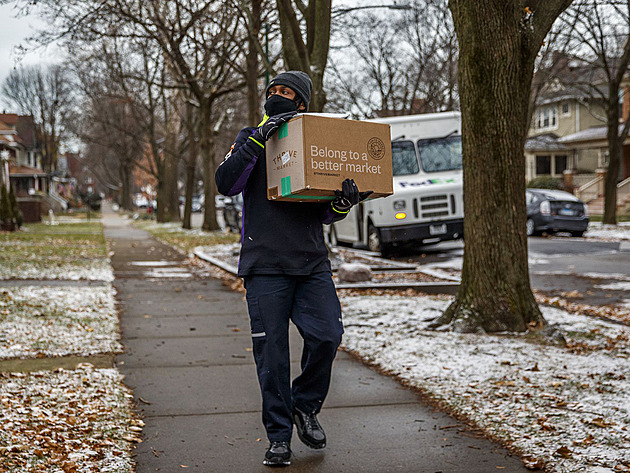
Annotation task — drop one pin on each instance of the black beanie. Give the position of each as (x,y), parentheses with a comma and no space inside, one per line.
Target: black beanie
(299,82)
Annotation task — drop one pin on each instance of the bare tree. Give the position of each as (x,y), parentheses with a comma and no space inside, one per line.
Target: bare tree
(44,93)
(310,53)
(200,42)
(132,71)
(405,62)
(498,44)
(109,130)
(597,35)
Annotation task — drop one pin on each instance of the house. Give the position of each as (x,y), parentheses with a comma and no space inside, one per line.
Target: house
(18,138)
(567,136)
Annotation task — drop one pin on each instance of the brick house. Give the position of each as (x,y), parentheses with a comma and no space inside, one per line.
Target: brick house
(18,138)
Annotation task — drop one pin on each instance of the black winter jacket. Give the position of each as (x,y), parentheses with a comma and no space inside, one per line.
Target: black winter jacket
(277,237)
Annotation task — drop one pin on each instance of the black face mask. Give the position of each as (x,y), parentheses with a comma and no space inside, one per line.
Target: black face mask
(276,105)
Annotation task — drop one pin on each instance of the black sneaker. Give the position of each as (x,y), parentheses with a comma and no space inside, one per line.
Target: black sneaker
(278,454)
(308,429)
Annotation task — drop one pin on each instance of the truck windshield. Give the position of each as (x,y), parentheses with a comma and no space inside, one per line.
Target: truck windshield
(404,159)
(444,154)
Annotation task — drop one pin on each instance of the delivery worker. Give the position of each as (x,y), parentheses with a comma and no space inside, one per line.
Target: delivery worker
(285,267)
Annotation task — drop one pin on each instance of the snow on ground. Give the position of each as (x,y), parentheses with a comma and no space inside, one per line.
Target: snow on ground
(66,421)
(565,406)
(57,321)
(621,231)
(92,270)
(616,286)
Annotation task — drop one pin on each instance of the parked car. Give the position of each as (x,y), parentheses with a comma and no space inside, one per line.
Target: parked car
(233,212)
(555,211)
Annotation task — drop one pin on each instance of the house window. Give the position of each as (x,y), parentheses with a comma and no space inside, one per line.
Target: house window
(28,158)
(565,109)
(547,118)
(561,164)
(543,165)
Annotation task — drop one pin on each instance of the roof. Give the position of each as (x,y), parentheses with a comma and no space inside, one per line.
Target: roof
(595,133)
(5,127)
(544,142)
(10,119)
(26,131)
(554,194)
(569,78)
(25,171)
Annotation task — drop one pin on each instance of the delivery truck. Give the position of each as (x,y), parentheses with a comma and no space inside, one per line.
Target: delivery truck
(427,205)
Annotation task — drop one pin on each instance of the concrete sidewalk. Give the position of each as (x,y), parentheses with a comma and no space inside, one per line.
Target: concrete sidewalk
(188,360)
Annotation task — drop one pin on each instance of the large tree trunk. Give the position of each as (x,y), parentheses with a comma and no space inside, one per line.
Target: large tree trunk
(125,188)
(206,138)
(191,167)
(168,195)
(498,46)
(310,56)
(615,151)
(253,96)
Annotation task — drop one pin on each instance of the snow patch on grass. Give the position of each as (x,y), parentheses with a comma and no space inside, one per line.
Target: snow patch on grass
(620,231)
(57,321)
(567,406)
(91,270)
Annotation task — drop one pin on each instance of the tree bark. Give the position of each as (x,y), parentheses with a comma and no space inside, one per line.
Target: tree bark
(615,151)
(206,137)
(191,168)
(125,188)
(498,45)
(171,165)
(253,96)
(310,56)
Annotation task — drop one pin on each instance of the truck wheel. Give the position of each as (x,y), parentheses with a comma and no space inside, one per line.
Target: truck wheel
(577,234)
(375,244)
(332,237)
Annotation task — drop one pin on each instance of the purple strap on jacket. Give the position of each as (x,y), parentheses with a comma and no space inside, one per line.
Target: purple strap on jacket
(239,185)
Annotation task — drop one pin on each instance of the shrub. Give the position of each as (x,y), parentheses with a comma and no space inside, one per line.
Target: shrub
(15,208)
(546,182)
(6,212)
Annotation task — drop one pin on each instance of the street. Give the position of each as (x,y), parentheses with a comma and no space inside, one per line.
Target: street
(576,268)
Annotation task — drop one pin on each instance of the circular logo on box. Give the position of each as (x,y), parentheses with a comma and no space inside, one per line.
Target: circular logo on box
(376,148)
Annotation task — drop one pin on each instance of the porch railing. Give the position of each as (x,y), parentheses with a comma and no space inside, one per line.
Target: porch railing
(591,190)
(623,191)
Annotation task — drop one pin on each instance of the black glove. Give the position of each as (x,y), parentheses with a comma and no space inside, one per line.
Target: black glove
(267,129)
(348,196)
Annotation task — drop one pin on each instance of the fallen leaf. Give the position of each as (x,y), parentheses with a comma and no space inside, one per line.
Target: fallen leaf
(563,452)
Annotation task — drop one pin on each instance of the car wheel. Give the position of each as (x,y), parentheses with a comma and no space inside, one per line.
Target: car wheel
(531,227)
(375,244)
(577,234)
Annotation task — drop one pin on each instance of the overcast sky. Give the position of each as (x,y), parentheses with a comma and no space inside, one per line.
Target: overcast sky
(13,31)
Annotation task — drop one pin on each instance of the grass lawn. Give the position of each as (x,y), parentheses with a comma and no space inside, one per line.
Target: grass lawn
(62,251)
(186,240)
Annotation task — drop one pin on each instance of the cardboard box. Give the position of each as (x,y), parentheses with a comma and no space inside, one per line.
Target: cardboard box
(310,156)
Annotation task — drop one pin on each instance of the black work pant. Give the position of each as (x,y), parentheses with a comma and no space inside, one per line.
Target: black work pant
(311,303)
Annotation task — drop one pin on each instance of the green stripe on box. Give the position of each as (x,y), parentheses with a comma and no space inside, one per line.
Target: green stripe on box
(286,185)
(283,131)
(310,197)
